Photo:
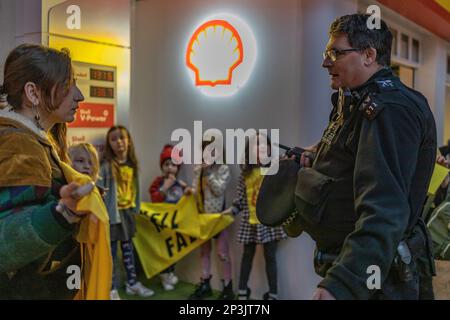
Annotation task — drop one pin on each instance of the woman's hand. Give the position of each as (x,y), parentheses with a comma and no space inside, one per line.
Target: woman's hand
(71,193)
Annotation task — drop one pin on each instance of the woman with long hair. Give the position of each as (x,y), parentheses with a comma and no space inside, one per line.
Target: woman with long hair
(38,215)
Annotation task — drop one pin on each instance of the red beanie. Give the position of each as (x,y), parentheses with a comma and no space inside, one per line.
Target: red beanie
(166,153)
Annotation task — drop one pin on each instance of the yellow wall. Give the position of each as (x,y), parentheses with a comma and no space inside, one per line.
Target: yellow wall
(97,50)
(102,54)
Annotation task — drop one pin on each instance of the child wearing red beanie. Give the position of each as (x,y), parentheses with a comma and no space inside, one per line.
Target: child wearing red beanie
(167,188)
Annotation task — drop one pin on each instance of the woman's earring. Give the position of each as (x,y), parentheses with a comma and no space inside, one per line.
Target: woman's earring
(37,117)
(3,100)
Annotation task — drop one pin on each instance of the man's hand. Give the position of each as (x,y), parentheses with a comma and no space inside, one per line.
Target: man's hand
(307,155)
(306,159)
(322,294)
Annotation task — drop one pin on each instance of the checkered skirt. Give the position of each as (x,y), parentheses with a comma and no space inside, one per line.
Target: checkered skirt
(253,233)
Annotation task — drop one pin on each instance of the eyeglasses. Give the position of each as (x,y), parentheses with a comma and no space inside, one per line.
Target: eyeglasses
(333,54)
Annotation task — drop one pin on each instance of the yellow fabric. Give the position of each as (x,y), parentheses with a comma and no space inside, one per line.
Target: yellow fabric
(253,183)
(93,236)
(168,232)
(439,174)
(126,189)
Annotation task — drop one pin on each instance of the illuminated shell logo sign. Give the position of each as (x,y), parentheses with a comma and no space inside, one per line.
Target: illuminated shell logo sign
(220,55)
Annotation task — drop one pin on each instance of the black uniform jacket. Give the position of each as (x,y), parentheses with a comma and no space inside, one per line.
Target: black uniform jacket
(369,180)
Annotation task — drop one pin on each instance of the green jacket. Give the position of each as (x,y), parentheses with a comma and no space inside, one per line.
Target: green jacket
(33,236)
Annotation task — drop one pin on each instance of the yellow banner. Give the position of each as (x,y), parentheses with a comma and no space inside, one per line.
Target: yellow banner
(168,232)
(93,236)
(439,174)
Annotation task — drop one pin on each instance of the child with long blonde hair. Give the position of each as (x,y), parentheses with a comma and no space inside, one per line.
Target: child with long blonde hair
(119,176)
(84,159)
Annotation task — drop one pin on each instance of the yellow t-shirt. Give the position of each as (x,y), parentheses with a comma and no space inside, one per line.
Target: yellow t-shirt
(252,184)
(126,190)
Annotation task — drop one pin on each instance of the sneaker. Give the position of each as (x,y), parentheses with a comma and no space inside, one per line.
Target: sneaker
(114,295)
(165,282)
(227,293)
(139,289)
(202,291)
(173,279)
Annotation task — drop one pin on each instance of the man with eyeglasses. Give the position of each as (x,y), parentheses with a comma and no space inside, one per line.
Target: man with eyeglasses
(361,197)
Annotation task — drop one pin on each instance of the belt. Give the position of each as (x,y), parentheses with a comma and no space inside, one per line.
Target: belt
(406,250)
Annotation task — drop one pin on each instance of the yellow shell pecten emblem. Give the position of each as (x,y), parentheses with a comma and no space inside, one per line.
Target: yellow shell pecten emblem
(214,51)
(220,55)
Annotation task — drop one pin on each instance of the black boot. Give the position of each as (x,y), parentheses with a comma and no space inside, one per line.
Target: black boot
(227,293)
(270,296)
(202,291)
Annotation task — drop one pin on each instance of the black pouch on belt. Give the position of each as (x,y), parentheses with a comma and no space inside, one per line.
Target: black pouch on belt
(311,192)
